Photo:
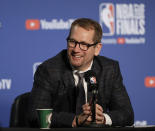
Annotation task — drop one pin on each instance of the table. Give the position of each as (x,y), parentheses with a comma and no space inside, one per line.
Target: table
(149,128)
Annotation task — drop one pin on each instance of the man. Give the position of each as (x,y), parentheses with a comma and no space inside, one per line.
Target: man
(56,80)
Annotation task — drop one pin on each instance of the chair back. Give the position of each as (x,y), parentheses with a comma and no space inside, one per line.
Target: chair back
(18,111)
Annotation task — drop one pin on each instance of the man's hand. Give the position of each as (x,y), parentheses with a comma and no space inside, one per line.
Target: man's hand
(83,118)
(99,113)
(100,119)
(86,116)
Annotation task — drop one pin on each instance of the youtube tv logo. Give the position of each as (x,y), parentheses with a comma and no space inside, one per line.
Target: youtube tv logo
(150,82)
(32,24)
(121,40)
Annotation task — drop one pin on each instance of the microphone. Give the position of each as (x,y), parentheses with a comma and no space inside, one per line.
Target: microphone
(92,87)
(90,77)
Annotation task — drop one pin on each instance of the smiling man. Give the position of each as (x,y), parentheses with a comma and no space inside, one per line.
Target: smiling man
(58,83)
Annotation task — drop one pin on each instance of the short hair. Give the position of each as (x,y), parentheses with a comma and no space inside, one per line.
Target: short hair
(88,24)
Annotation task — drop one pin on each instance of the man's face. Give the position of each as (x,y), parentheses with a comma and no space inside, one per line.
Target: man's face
(78,58)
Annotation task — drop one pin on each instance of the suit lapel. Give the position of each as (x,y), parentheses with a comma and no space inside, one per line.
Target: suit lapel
(69,86)
(101,88)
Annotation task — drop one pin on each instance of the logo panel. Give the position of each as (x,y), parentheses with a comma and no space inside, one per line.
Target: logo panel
(121,40)
(107,18)
(122,23)
(32,24)
(150,81)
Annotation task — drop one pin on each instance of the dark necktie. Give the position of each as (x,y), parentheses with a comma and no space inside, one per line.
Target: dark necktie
(80,94)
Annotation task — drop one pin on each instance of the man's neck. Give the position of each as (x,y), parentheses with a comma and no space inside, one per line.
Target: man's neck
(83,70)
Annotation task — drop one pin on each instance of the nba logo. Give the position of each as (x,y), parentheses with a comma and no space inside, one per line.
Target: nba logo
(107,18)
(93,80)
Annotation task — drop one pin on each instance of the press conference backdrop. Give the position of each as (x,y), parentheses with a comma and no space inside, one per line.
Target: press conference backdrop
(32,31)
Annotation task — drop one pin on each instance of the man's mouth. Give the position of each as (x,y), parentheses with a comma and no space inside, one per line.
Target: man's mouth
(76,57)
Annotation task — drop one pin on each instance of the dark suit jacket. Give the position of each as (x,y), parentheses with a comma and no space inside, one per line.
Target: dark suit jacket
(54,87)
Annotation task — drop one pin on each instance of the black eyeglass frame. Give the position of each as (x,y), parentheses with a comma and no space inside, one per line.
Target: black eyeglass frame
(80,43)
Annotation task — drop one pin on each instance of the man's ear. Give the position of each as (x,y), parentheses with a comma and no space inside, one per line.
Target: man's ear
(98,49)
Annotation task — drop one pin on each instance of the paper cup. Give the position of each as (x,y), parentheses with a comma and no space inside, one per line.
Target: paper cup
(44,118)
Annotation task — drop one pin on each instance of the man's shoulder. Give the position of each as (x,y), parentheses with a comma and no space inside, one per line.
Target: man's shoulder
(58,61)
(105,60)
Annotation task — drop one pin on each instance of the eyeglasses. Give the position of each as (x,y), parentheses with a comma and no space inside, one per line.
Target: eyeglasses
(83,46)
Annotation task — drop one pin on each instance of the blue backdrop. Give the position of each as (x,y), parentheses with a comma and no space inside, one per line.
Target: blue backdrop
(32,31)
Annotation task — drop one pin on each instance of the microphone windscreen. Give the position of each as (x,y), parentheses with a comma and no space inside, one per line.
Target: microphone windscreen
(89,75)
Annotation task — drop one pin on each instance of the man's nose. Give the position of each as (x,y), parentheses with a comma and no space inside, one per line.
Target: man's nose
(77,47)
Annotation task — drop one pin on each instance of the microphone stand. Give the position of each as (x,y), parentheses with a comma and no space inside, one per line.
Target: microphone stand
(93,109)
(90,78)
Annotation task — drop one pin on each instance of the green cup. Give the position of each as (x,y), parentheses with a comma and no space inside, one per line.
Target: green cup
(44,118)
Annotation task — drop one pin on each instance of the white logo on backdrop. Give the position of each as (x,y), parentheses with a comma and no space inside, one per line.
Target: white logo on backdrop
(55,24)
(140,123)
(5,84)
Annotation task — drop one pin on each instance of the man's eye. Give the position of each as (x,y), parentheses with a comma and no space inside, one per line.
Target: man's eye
(83,43)
(72,41)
